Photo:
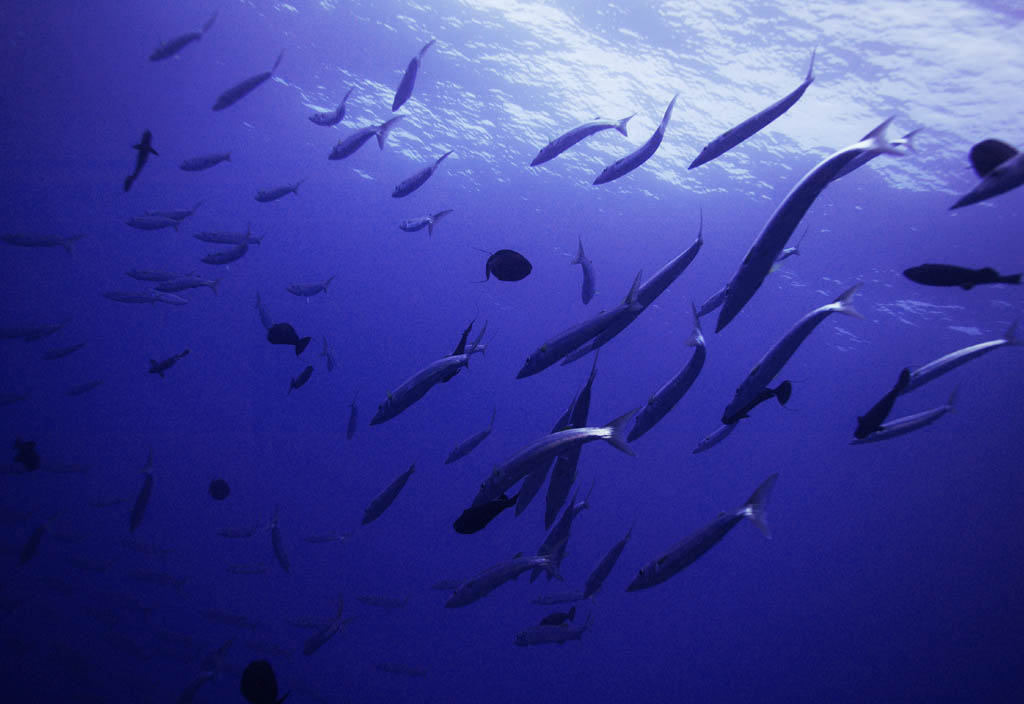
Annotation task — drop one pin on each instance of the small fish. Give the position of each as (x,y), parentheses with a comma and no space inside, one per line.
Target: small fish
(161,367)
(61,352)
(131,296)
(949,275)
(284,334)
(169,48)
(317,640)
(571,138)
(405,87)
(307,290)
(476,518)
(259,685)
(872,421)
(151,222)
(507,265)
(278,545)
(37,240)
(176,214)
(273,194)
(235,238)
(238,91)
(26,454)
(332,117)
(142,500)
(589,285)
(596,578)
(385,498)
(146,275)
(1000,166)
(560,598)
(539,635)
(201,163)
(83,388)
(185,283)
(633,160)
(301,379)
(349,145)
(793,251)
(557,618)
(418,179)
(327,354)
(143,149)
(353,420)
(427,221)
(470,443)
(226,256)
(493,577)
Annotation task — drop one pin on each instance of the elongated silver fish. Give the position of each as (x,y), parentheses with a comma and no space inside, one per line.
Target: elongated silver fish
(19,239)
(226,256)
(493,577)
(185,283)
(922,375)
(907,424)
(589,283)
(316,641)
(574,136)
(147,275)
(307,290)
(384,499)
(171,47)
(418,179)
(470,443)
(427,221)
(600,573)
(408,81)
(631,161)
(543,633)
(151,222)
(235,238)
(238,91)
(349,145)
(1000,167)
(272,194)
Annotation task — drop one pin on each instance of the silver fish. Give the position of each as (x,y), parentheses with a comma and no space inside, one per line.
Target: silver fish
(405,87)
(151,222)
(170,48)
(493,577)
(571,138)
(384,499)
(1000,167)
(589,285)
(907,424)
(600,573)
(427,221)
(922,375)
(40,240)
(631,161)
(307,290)
(470,443)
(226,256)
(238,91)
(418,179)
(273,194)
(349,145)
(332,117)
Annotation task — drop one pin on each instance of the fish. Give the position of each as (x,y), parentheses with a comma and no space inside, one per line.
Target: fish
(542,634)
(317,640)
(476,518)
(327,354)
(349,145)
(259,685)
(26,454)
(574,136)
(176,214)
(905,141)
(171,47)
(752,125)
(588,273)
(560,598)
(301,379)
(788,251)
(557,618)
(772,238)
(278,545)
(219,489)
(31,546)
(161,367)
(600,573)
(399,668)
(61,352)
(31,334)
(185,283)
(146,275)
(273,194)
(490,579)
(353,420)
(83,388)
(547,447)
(558,537)
(686,551)
(331,117)
(1000,167)
(418,179)
(950,275)
(382,602)
(665,398)
(776,357)
(535,479)
(782,392)
(265,318)
(427,221)
(169,298)
(41,240)
(872,421)
(385,498)
(307,290)
(507,265)
(631,161)
(907,424)
(470,443)
(151,222)
(565,342)
(226,256)
(922,375)
(327,538)
(142,500)
(131,296)
(235,238)
(405,87)
(142,151)
(238,91)
(201,163)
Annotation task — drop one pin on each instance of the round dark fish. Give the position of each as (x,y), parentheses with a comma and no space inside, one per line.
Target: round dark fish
(557,618)
(219,489)
(508,265)
(284,334)
(259,685)
(476,518)
(26,454)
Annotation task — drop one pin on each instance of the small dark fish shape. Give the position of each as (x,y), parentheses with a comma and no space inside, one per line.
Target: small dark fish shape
(476,518)
(219,489)
(418,179)
(156,367)
(507,265)
(332,117)
(781,392)
(259,684)
(872,421)
(558,617)
(950,275)
(169,48)
(302,378)
(143,149)
(404,89)
(284,334)
(26,454)
(238,91)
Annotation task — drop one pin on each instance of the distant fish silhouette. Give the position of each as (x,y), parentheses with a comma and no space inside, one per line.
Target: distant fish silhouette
(143,149)
(284,334)
(26,454)
(507,265)
(1000,166)
(404,89)
(949,275)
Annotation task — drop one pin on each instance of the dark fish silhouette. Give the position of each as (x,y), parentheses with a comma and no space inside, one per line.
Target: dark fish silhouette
(872,421)
(301,379)
(950,275)
(353,419)
(1000,166)
(142,500)
(143,149)
(284,334)
(156,367)
(238,91)
(476,518)
(219,489)
(404,89)
(781,392)
(26,454)
(507,265)
(31,547)
(558,617)
(259,685)
(169,48)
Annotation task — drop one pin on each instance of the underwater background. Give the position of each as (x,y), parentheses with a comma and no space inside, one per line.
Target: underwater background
(894,568)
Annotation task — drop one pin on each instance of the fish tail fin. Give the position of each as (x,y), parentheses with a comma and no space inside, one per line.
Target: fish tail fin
(384,129)
(810,69)
(876,141)
(621,127)
(1009,279)
(617,432)
(843,305)
(278,62)
(444,156)
(328,282)
(1012,336)
(301,345)
(668,113)
(696,338)
(908,139)
(578,259)
(425,48)
(783,391)
(634,292)
(152,151)
(754,507)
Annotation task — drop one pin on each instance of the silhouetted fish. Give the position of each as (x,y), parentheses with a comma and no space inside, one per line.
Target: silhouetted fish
(284,334)
(404,89)
(156,367)
(238,91)
(143,149)
(558,617)
(26,454)
(476,518)
(508,265)
(872,421)
(1000,166)
(259,685)
(219,489)
(301,379)
(949,275)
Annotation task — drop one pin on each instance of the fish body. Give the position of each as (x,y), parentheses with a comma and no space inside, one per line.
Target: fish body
(349,145)
(259,685)
(856,163)
(558,537)
(272,194)
(776,357)
(476,518)
(31,546)
(772,239)
(353,420)
(1001,168)
(161,367)
(557,618)
(326,353)
(507,265)
(418,179)
(589,284)
(781,392)
(561,598)
(26,454)
(752,125)
(922,375)
(872,421)
(689,549)
(307,290)
(142,500)
(226,256)
(631,161)
(278,545)
(385,498)
(84,388)
(145,275)
(61,352)
(151,222)
(427,221)
(201,163)
(470,443)
(600,573)
(492,578)
(408,81)
(185,283)
(142,151)
(171,47)
(169,298)
(543,634)
(238,91)
(907,424)
(131,296)
(331,117)
(574,136)
(40,240)
(234,238)
(949,275)
(301,379)
(284,334)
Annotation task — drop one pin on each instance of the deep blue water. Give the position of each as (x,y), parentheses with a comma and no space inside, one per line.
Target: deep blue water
(894,570)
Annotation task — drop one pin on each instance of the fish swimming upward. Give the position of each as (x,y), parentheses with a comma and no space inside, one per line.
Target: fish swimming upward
(238,91)
(631,161)
(142,151)
(571,138)
(332,117)
(404,90)
(169,48)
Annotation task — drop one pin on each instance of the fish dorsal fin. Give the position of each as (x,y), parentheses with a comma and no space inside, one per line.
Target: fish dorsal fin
(634,291)
(987,155)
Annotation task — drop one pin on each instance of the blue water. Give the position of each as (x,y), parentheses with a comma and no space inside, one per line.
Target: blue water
(894,570)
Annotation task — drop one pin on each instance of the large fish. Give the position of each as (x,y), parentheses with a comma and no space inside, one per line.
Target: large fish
(770,242)
(384,499)
(227,256)
(332,117)
(689,549)
(907,424)
(1000,166)
(922,375)
(631,161)
(284,334)
(307,290)
(571,138)
(492,578)
(476,518)
(348,146)
(949,275)
(238,91)
(589,283)
(409,79)
(418,179)
(752,125)
(142,151)
(259,685)
(171,47)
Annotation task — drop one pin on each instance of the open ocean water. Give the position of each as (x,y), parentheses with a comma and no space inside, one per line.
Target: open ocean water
(894,569)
